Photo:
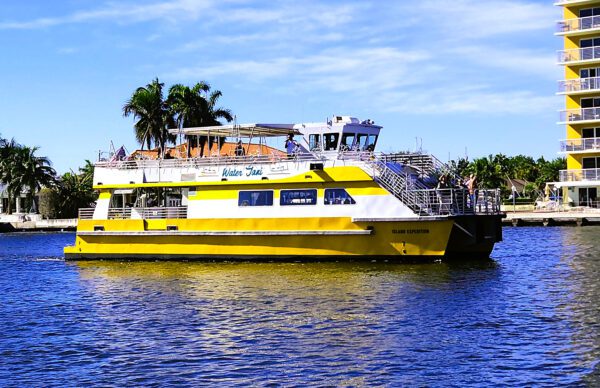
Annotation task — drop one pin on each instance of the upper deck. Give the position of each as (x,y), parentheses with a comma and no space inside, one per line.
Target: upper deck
(339,142)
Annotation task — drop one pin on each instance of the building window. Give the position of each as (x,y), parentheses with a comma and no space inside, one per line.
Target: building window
(255,198)
(338,197)
(588,133)
(298,197)
(590,162)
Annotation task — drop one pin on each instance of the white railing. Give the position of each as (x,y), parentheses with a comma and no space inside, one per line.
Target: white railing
(143,213)
(578,85)
(162,212)
(581,114)
(583,144)
(578,24)
(587,174)
(579,54)
(459,201)
(234,160)
(86,214)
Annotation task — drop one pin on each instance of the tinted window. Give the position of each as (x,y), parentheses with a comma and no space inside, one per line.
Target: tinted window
(347,141)
(331,141)
(314,142)
(338,197)
(255,198)
(298,197)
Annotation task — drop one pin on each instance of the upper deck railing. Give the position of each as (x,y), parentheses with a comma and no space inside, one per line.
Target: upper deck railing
(579,85)
(579,55)
(578,24)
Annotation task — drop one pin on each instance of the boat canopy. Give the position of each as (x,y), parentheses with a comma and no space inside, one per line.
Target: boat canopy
(239,130)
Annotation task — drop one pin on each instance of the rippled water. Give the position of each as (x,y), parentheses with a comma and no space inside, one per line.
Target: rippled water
(529,317)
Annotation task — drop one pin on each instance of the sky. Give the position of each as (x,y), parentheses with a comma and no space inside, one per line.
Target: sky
(460,78)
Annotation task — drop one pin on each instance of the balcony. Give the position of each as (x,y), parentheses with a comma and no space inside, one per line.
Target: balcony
(579,116)
(574,2)
(579,85)
(578,26)
(579,56)
(590,144)
(588,174)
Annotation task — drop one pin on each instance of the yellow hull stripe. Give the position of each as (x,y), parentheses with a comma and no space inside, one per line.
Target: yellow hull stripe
(412,238)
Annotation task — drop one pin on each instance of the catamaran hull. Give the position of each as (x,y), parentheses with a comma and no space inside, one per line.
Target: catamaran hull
(426,239)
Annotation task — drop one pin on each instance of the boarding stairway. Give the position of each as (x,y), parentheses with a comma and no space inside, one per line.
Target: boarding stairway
(416,192)
(402,185)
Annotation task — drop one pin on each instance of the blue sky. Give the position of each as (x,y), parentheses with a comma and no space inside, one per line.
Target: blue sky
(466,75)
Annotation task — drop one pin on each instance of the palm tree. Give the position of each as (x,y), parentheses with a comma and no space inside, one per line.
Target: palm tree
(32,172)
(153,115)
(196,107)
(8,151)
(75,192)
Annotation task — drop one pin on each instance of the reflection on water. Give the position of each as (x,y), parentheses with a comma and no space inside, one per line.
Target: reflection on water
(527,317)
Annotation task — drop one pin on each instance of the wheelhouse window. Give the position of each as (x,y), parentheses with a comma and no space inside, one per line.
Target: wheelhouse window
(338,197)
(298,197)
(314,142)
(331,141)
(255,198)
(347,141)
(366,142)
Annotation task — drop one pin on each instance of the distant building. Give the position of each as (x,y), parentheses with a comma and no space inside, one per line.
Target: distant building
(19,203)
(580,29)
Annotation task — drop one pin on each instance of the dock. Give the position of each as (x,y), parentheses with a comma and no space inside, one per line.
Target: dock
(35,223)
(554,218)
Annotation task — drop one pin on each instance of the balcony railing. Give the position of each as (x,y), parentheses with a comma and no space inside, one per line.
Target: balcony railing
(579,54)
(587,174)
(584,144)
(568,2)
(578,24)
(579,85)
(577,115)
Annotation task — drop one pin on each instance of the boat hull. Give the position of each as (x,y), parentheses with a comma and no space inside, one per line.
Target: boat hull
(306,239)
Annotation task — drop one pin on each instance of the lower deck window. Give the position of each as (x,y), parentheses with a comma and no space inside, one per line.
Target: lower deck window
(298,197)
(255,198)
(338,197)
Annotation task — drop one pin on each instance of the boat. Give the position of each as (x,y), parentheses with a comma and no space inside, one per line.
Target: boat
(328,195)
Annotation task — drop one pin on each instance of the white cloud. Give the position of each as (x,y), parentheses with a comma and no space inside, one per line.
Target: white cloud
(477,19)
(122,13)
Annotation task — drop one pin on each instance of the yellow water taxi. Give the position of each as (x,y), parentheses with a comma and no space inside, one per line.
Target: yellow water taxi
(327,196)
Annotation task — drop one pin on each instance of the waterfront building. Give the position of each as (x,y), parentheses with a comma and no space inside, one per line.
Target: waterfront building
(580,29)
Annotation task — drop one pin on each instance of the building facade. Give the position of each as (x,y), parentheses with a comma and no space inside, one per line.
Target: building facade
(580,29)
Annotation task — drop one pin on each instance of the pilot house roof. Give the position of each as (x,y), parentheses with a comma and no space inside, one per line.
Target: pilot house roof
(239,130)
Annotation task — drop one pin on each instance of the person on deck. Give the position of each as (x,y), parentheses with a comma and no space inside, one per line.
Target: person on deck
(291,146)
(239,149)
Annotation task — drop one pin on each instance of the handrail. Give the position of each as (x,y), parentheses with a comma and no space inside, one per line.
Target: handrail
(578,24)
(578,85)
(221,160)
(580,114)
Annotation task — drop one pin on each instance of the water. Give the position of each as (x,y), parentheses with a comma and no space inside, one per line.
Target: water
(529,317)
